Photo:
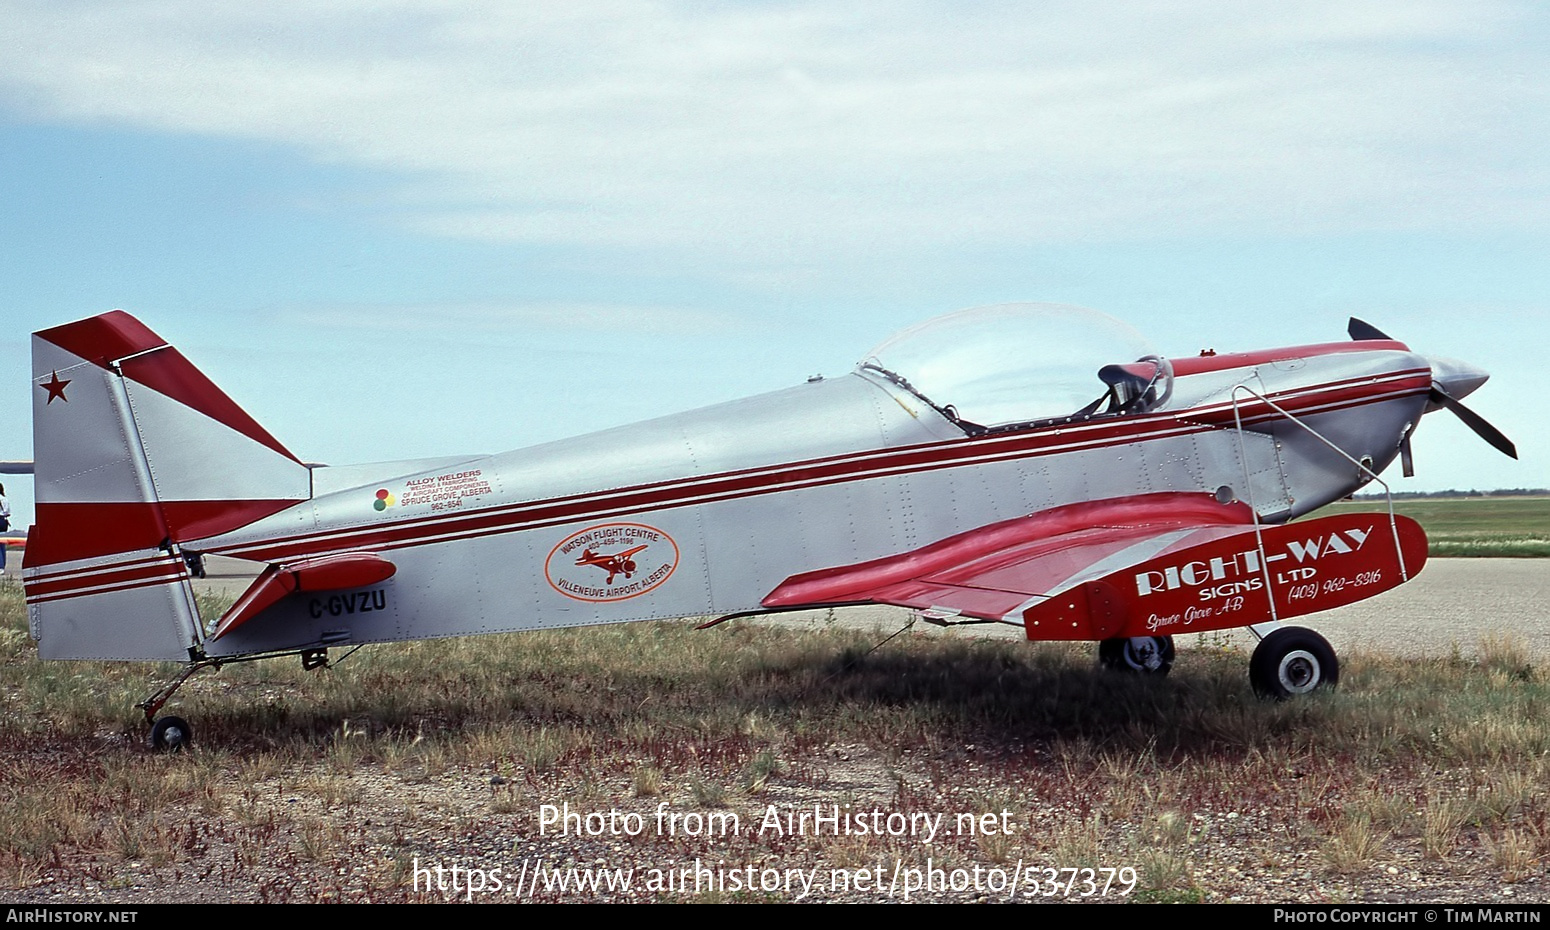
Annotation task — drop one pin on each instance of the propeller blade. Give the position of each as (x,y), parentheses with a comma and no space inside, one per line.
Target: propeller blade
(1362,331)
(1474,421)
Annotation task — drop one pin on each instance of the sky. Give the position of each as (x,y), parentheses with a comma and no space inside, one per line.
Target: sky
(415,228)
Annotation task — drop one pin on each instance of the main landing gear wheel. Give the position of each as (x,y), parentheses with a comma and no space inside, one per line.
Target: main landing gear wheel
(171,734)
(1147,655)
(1292,661)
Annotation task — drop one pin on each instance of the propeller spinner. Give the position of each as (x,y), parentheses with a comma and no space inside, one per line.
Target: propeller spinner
(1451,380)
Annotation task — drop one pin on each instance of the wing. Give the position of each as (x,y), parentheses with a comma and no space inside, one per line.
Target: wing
(1136,566)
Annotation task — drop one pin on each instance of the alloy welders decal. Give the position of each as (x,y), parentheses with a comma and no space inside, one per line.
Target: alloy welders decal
(441,492)
(445,492)
(611,562)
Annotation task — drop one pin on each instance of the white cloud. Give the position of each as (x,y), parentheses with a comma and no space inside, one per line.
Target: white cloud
(802,129)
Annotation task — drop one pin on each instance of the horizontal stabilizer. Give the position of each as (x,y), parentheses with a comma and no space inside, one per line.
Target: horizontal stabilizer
(329,573)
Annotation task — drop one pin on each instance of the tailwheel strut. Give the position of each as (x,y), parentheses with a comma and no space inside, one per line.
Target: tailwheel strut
(172,734)
(155,702)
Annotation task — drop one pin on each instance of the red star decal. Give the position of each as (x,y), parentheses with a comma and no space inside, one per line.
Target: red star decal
(55,388)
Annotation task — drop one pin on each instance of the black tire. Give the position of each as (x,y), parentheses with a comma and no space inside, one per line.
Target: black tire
(171,734)
(1292,661)
(1142,655)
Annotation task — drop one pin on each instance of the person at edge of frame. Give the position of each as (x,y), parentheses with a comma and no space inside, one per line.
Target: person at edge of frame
(5,525)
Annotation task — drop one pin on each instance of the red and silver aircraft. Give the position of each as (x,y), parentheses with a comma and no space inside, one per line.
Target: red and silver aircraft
(997,465)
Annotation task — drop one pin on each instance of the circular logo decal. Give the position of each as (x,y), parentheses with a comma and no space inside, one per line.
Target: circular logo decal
(611,562)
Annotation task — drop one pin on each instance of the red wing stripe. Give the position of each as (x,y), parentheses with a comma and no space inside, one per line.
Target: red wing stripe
(995,572)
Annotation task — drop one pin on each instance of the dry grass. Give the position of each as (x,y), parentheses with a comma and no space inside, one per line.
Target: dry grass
(330,785)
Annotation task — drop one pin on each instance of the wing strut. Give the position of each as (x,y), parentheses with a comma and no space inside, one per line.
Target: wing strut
(1259,539)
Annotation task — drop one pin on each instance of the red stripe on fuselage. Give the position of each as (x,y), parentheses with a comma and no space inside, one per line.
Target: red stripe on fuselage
(660,496)
(883,462)
(813,473)
(1335,395)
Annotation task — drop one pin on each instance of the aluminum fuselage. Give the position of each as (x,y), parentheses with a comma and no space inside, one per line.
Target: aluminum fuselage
(716,507)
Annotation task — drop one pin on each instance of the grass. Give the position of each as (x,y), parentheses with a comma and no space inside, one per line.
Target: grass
(328,785)
(1465,527)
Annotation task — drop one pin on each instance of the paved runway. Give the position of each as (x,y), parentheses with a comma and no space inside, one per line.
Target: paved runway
(1452,602)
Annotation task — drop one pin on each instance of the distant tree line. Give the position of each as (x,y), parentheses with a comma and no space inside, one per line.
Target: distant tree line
(1420,495)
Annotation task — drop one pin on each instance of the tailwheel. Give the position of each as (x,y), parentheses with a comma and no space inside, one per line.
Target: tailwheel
(171,734)
(1147,655)
(1291,661)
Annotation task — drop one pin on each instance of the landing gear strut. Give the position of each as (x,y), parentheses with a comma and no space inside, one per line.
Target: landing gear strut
(173,734)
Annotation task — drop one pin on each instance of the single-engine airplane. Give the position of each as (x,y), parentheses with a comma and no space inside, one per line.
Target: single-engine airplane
(964,470)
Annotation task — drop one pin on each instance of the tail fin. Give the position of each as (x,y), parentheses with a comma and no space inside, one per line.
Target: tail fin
(136,452)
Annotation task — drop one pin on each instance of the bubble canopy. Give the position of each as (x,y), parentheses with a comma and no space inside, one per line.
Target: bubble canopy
(1018,363)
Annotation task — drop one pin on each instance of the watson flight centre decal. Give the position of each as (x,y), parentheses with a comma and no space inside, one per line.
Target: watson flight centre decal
(611,562)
